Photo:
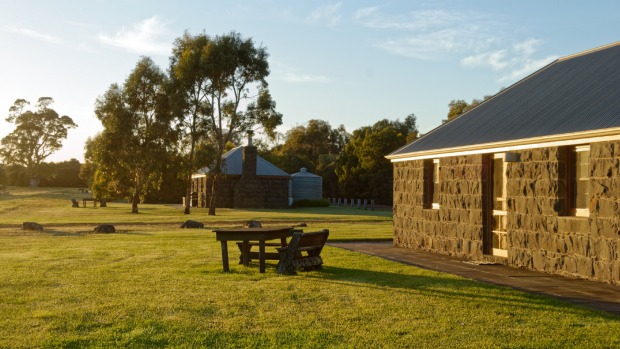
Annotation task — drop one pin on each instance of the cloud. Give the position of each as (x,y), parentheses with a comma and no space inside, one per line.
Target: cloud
(513,64)
(150,36)
(305,78)
(496,60)
(328,14)
(434,44)
(527,66)
(415,20)
(475,39)
(429,34)
(36,35)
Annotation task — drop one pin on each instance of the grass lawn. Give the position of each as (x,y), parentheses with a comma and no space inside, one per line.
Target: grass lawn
(155,285)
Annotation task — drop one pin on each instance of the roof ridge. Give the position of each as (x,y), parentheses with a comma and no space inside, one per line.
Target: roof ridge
(592,50)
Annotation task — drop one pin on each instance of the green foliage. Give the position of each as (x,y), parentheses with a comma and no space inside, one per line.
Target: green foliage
(4,178)
(37,134)
(61,174)
(127,154)
(219,91)
(363,171)
(459,106)
(315,146)
(311,203)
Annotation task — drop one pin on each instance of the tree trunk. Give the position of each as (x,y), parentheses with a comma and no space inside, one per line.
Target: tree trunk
(135,200)
(188,195)
(212,196)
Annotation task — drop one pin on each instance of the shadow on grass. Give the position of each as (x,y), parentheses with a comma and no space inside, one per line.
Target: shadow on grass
(55,232)
(465,290)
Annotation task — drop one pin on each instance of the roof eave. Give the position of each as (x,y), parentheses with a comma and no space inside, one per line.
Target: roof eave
(601,135)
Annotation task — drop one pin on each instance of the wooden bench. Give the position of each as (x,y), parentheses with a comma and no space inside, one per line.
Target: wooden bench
(302,252)
(75,203)
(272,255)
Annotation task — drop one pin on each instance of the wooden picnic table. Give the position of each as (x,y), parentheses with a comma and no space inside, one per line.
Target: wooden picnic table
(84,200)
(250,234)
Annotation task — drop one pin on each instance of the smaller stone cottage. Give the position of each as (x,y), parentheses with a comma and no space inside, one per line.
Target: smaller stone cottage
(247,181)
(529,178)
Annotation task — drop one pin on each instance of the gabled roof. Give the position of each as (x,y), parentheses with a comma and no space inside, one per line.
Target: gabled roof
(233,165)
(569,98)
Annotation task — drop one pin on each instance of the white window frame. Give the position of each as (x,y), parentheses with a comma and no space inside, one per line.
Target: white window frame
(435,205)
(579,212)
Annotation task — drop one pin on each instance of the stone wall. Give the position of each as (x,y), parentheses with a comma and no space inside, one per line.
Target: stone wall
(259,192)
(456,227)
(541,235)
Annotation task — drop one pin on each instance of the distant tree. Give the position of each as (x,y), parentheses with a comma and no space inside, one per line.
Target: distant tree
(61,174)
(4,177)
(223,92)
(37,135)
(460,106)
(137,133)
(363,171)
(315,146)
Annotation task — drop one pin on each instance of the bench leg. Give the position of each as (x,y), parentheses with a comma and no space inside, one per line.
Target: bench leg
(261,255)
(225,255)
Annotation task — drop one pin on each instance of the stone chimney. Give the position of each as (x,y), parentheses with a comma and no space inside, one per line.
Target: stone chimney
(249,154)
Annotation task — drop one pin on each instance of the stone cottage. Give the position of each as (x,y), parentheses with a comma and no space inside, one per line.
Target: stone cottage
(529,178)
(247,181)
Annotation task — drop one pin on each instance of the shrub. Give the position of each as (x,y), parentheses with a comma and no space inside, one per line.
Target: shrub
(311,203)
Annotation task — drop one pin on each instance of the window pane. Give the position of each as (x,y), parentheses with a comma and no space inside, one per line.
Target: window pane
(582,198)
(582,177)
(435,182)
(498,184)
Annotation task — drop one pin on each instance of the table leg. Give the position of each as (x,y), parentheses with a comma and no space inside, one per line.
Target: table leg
(245,252)
(261,255)
(225,255)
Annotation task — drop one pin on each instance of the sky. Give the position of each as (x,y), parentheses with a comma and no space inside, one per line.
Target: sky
(345,62)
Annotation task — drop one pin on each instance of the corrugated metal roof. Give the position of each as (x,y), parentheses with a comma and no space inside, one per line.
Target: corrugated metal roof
(303,172)
(573,94)
(233,164)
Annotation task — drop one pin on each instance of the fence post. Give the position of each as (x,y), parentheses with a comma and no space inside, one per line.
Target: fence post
(372,204)
(359,203)
(365,204)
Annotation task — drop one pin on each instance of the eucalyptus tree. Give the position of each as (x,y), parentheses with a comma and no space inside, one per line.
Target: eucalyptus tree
(37,135)
(363,170)
(137,132)
(315,146)
(220,87)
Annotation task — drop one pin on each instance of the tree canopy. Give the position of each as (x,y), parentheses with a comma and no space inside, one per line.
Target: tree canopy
(315,146)
(37,135)
(363,171)
(137,134)
(220,84)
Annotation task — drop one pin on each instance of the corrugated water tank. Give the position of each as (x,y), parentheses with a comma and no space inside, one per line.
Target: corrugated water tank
(307,186)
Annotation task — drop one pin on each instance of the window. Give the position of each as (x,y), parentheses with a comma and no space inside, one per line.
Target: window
(499,231)
(499,183)
(431,183)
(578,181)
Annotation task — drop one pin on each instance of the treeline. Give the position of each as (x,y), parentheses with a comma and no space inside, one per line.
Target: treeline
(352,165)
(161,126)
(53,174)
